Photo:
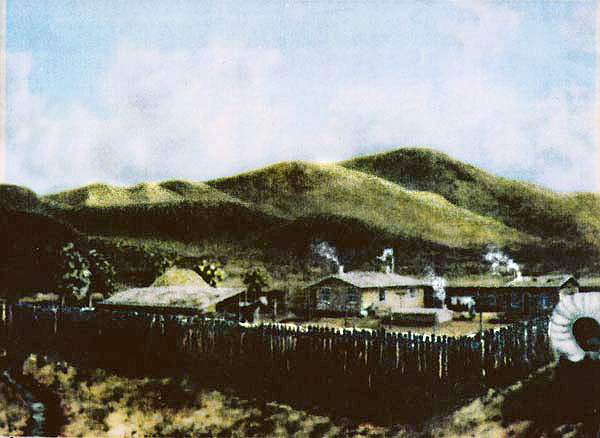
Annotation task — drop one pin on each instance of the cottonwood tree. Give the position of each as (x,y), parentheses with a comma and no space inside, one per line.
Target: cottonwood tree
(74,274)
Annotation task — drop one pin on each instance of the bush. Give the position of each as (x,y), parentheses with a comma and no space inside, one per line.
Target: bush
(210,272)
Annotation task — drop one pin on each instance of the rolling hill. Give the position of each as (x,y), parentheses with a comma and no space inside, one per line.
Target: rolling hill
(429,207)
(171,209)
(526,207)
(298,190)
(104,195)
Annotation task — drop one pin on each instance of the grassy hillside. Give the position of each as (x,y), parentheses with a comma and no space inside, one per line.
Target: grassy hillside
(104,195)
(174,209)
(432,209)
(526,207)
(303,190)
(18,198)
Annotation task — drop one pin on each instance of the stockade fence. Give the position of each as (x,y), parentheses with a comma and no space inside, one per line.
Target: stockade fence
(365,373)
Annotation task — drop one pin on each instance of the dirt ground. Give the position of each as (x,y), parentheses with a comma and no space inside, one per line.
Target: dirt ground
(456,327)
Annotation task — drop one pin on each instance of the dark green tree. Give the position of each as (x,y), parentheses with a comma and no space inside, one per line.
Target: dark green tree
(256,280)
(159,263)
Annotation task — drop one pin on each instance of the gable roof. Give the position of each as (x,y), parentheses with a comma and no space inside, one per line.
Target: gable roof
(371,279)
(182,297)
(542,281)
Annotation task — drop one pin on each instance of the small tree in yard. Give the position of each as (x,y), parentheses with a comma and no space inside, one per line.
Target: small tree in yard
(210,272)
(256,280)
(103,275)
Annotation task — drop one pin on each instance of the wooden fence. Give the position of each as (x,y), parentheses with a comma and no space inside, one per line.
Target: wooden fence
(368,373)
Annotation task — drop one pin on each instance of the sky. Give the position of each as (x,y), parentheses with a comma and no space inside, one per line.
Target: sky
(123,92)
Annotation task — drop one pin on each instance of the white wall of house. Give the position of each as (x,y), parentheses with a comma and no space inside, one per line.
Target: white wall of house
(409,297)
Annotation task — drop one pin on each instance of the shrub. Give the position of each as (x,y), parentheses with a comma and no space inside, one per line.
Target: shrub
(210,272)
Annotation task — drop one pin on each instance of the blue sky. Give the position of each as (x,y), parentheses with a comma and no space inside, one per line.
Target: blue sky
(123,92)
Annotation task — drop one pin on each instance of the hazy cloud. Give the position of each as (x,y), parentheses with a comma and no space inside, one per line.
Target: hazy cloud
(224,108)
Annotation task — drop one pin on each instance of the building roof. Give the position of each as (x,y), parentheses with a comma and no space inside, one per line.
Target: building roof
(542,281)
(371,279)
(476,281)
(182,297)
(589,282)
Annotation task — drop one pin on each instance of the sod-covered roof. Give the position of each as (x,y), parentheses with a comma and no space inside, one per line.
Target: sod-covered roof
(477,281)
(179,277)
(542,281)
(184,297)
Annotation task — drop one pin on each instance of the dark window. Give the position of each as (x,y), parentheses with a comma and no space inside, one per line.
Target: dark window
(326,294)
(545,301)
(352,296)
(412,292)
(381,294)
(516,301)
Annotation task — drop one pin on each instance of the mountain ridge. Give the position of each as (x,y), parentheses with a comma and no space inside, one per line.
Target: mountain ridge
(419,201)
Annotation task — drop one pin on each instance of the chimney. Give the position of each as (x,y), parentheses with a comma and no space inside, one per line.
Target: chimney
(341,269)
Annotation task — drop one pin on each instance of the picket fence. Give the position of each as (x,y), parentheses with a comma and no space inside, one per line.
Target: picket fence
(368,373)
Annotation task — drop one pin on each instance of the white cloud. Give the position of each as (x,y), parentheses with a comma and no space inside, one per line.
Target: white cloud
(200,114)
(579,29)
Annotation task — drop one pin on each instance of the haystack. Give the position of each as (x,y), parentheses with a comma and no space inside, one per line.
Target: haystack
(179,277)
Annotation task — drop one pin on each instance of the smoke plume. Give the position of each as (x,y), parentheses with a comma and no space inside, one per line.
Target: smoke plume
(325,250)
(501,264)
(438,283)
(388,257)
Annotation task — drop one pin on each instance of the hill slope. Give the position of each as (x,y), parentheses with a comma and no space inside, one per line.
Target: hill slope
(104,195)
(526,207)
(297,189)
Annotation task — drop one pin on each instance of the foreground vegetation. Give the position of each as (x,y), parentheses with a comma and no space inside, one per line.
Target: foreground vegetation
(96,403)
(14,413)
